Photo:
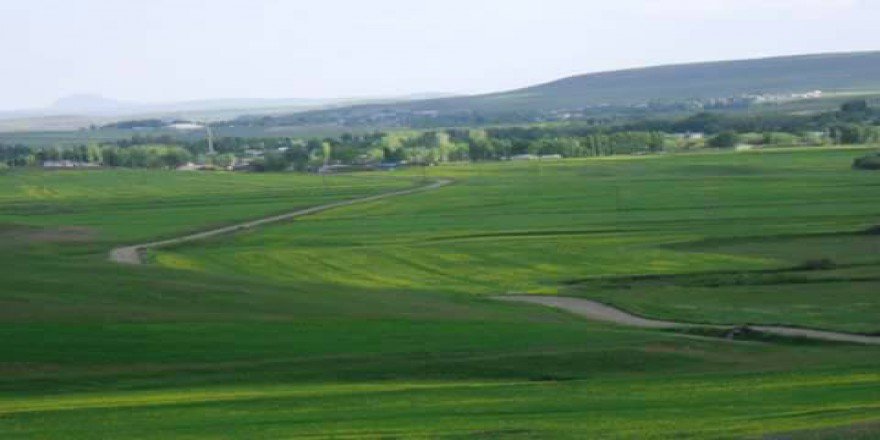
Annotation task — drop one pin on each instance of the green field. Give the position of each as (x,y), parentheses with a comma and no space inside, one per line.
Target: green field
(375,320)
(129,205)
(540,228)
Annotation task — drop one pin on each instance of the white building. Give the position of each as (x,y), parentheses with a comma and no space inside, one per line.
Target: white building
(67,164)
(524,157)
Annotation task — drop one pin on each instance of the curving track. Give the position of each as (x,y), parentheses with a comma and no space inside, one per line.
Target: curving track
(134,254)
(582,307)
(603,312)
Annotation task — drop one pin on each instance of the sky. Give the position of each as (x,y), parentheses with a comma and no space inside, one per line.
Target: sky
(155,51)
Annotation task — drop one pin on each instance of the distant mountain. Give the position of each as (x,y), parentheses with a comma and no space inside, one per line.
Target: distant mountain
(774,78)
(699,81)
(89,104)
(81,110)
(97,105)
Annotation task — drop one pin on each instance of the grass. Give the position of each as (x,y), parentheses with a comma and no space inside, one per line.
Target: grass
(694,407)
(536,227)
(139,204)
(842,296)
(373,320)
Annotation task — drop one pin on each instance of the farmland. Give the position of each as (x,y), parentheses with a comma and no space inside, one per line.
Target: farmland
(376,319)
(539,228)
(130,204)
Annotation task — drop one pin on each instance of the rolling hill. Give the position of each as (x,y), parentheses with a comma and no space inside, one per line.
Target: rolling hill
(81,110)
(851,72)
(773,78)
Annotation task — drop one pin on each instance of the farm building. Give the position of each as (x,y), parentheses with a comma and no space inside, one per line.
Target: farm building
(524,157)
(689,135)
(189,166)
(67,164)
(388,166)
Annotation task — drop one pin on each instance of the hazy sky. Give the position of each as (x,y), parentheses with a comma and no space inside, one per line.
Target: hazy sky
(163,50)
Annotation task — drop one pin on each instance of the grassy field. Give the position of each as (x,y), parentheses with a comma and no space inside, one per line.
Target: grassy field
(693,407)
(374,320)
(116,205)
(542,228)
(841,296)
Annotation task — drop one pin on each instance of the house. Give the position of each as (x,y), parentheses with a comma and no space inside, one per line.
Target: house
(66,164)
(189,166)
(689,135)
(337,168)
(344,168)
(388,166)
(242,164)
(551,157)
(183,126)
(523,157)
(428,113)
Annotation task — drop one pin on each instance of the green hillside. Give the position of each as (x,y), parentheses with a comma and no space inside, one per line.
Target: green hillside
(851,72)
(374,321)
(833,74)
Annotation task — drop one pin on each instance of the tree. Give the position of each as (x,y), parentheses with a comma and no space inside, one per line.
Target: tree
(69,154)
(855,106)
(656,141)
(93,154)
(502,147)
(477,135)
(373,155)
(298,156)
(111,156)
(271,162)
(223,160)
(779,138)
(391,154)
(854,134)
(442,145)
(480,149)
(326,150)
(725,139)
(173,157)
(138,157)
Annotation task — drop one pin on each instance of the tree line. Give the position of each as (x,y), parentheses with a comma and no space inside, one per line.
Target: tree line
(854,123)
(136,156)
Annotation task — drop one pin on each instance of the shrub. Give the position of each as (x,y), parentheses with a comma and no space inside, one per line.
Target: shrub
(873,230)
(818,264)
(727,139)
(871,162)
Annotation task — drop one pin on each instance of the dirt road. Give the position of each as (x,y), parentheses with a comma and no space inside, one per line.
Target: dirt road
(582,307)
(603,312)
(134,254)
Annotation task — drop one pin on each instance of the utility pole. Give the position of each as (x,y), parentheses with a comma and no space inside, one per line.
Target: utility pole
(211,151)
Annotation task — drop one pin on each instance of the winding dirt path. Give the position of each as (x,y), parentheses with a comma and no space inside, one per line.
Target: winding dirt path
(134,254)
(603,312)
(583,307)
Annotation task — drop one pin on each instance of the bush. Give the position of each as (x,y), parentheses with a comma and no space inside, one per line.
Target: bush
(873,230)
(727,139)
(818,264)
(867,163)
